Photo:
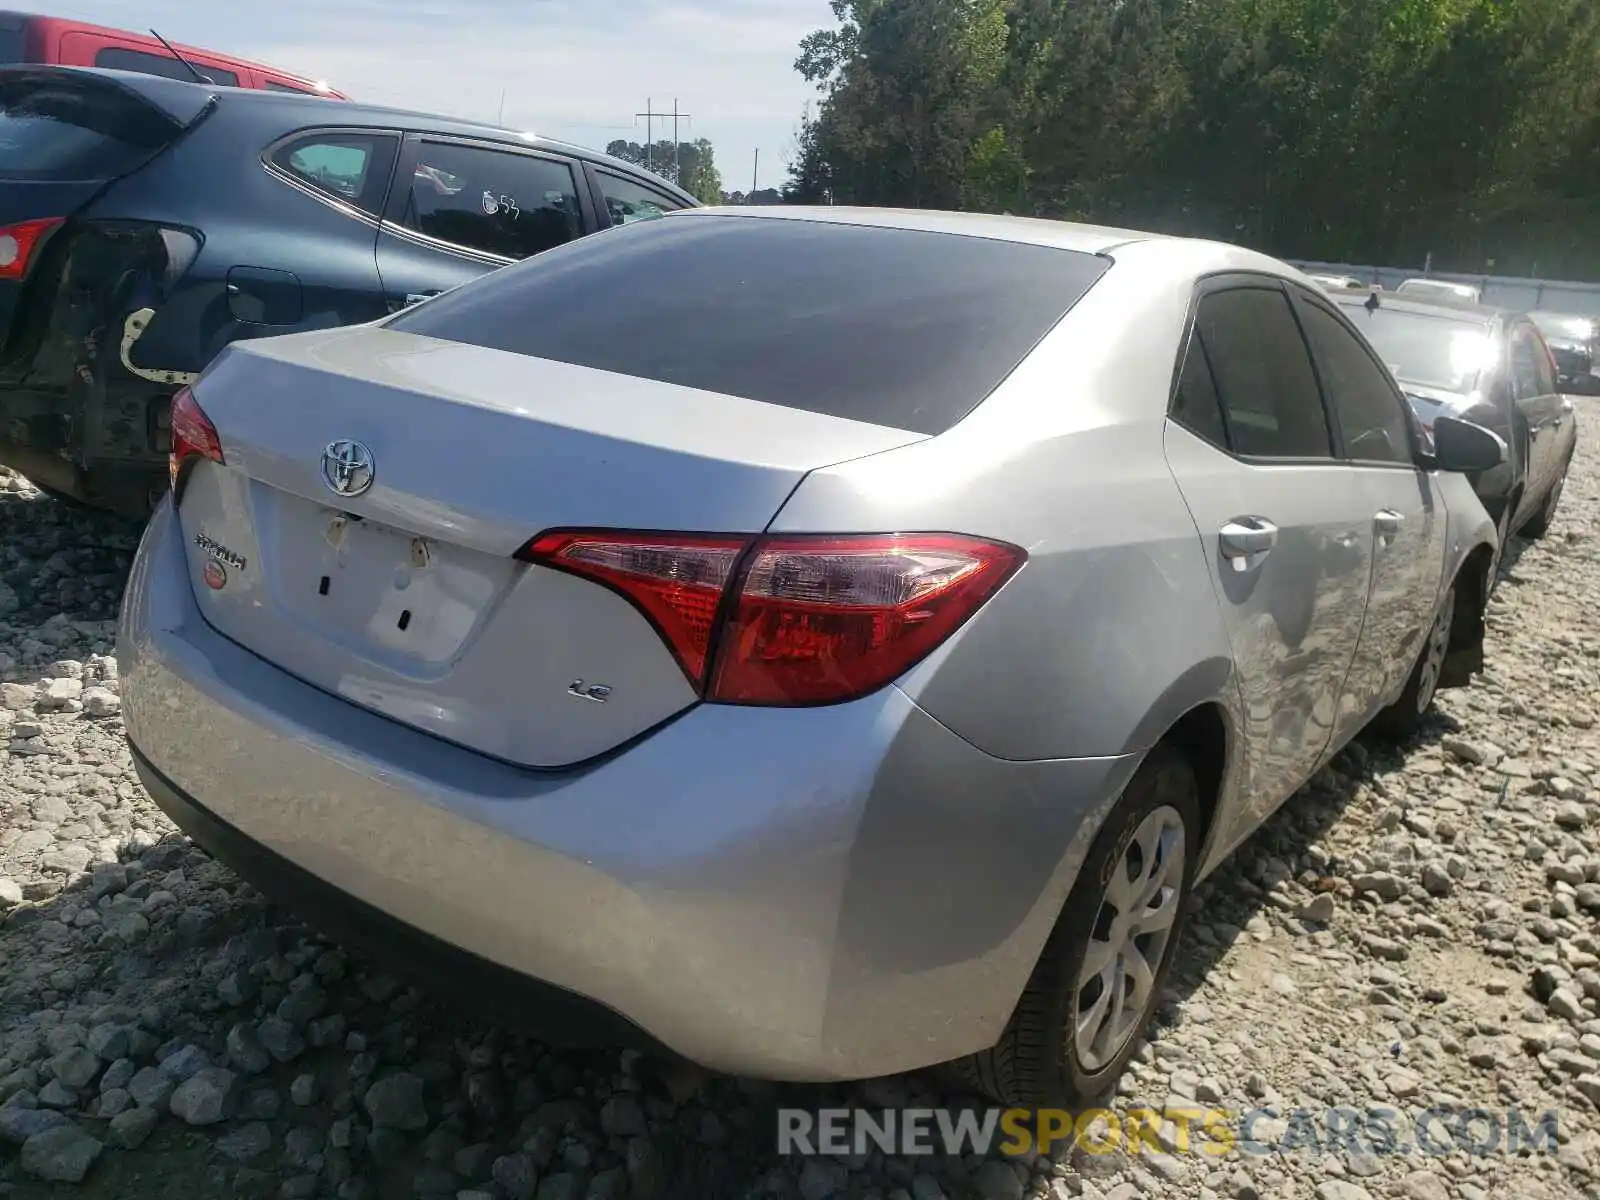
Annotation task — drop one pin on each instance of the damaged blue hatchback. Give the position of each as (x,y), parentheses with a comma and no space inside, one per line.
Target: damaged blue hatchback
(146,223)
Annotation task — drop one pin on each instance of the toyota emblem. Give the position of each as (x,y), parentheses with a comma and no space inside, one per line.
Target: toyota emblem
(347,468)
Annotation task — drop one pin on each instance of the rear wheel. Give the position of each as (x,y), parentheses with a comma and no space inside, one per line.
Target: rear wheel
(1100,976)
(1402,718)
(1540,525)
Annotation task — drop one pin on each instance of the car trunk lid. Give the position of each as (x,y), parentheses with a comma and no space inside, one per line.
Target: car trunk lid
(65,135)
(406,599)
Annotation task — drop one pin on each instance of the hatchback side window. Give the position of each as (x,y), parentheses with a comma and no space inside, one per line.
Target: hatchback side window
(1359,391)
(120,58)
(492,201)
(353,167)
(1195,406)
(628,201)
(1263,374)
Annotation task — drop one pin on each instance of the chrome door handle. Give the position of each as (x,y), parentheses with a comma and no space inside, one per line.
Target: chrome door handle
(1245,541)
(1387,522)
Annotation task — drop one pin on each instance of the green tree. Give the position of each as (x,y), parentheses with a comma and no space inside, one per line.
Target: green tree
(1353,129)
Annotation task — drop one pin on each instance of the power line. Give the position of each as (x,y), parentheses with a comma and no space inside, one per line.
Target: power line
(650,115)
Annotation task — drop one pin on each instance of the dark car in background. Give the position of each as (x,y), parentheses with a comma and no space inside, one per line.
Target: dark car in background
(1489,366)
(1572,341)
(146,223)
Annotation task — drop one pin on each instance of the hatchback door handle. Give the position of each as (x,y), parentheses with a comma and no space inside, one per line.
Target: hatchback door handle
(1387,522)
(1245,541)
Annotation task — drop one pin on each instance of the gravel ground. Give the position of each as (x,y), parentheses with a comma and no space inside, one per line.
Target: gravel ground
(1414,928)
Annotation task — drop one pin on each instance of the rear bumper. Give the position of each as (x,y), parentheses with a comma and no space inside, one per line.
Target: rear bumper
(445,969)
(805,894)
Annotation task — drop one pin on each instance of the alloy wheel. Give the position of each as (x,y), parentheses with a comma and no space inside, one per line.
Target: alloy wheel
(1433,652)
(1131,938)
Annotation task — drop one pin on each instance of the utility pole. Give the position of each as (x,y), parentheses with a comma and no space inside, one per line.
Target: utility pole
(677,175)
(755,174)
(649,125)
(500,118)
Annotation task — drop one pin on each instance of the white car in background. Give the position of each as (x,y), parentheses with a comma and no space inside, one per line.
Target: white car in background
(1430,289)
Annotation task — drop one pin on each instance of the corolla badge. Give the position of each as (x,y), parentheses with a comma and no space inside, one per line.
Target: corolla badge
(348,468)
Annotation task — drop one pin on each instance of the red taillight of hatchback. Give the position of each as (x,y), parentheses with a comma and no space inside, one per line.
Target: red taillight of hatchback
(791,619)
(193,434)
(18,243)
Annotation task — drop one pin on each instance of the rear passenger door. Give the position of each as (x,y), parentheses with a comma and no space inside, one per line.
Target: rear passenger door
(460,208)
(1285,526)
(1374,432)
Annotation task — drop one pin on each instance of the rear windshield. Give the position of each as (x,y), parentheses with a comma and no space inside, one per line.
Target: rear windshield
(71,132)
(1442,352)
(895,327)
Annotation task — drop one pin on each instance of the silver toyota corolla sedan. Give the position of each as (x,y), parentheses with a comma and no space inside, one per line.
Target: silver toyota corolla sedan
(825,642)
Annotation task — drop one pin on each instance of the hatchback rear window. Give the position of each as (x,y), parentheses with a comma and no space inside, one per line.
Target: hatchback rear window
(69,132)
(894,327)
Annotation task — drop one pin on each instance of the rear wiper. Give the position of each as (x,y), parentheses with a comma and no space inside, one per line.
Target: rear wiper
(198,77)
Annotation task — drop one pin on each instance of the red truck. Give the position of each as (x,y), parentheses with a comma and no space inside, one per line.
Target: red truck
(31,38)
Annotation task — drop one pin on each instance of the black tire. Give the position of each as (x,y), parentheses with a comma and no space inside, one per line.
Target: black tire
(1403,718)
(1540,523)
(1035,1063)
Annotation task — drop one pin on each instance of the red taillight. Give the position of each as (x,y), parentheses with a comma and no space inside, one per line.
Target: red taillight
(192,433)
(675,580)
(808,619)
(19,241)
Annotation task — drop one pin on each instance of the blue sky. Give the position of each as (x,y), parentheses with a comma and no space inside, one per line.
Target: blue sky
(572,69)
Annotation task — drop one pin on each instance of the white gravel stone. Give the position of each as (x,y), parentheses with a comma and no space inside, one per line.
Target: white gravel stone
(1416,926)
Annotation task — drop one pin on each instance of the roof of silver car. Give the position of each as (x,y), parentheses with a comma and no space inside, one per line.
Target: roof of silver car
(1064,235)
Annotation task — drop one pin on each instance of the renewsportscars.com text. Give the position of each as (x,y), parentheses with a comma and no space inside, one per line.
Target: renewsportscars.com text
(1213,1132)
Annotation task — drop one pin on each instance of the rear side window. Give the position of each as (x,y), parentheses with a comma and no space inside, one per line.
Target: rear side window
(1263,374)
(353,167)
(897,327)
(274,86)
(627,201)
(64,131)
(11,37)
(1196,406)
(120,58)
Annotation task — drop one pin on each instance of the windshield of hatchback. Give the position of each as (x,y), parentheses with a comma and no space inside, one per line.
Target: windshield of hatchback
(1429,350)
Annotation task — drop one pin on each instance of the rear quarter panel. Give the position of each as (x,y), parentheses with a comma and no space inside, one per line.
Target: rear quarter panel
(213,181)
(1112,630)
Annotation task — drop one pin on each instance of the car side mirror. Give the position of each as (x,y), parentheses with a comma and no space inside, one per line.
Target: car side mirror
(1463,447)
